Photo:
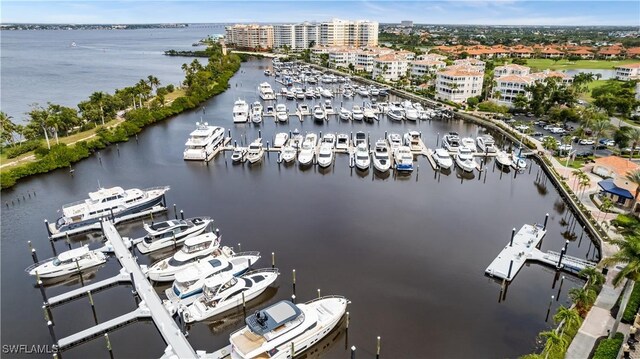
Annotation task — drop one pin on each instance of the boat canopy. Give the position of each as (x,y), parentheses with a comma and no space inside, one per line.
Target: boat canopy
(266,320)
(73,253)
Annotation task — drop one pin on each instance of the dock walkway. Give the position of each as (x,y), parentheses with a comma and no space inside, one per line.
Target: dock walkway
(516,252)
(122,277)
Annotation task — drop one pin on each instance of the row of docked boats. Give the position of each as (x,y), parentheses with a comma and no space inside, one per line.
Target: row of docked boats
(464,149)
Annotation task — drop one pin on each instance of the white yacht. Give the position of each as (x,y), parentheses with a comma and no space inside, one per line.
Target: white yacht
(469,143)
(345,114)
(410,113)
(361,156)
(362,91)
(328,107)
(403,158)
(412,140)
(486,144)
(256,112)
(269,111)
(239,154)
(394,140)
(171,233)
(296,139)
(288,154)
(374,91)
(381,160)
(395,114)
(234,291)
(203,141)
(325,155)
(282,113)
(280,139)
(299,93)
(189,281)
(342,141)
(348,93)
(503,159)
(451,142)
(383,107)
(303,109)
(328,139)
(255,151)
(310,94)
(290,95)
(442,158)
(308,150)
(275,330)
(67,263)
(326,93)
(361,138)
(356,113)
(194,249)
(266,92)
(112,202)
(518,162)
(465,159)
(369,114)
(318,114)
(240,111)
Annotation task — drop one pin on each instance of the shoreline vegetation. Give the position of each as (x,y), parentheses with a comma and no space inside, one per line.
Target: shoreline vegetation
(132,108)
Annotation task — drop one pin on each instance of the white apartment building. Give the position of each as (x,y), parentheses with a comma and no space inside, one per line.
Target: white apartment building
(306,35)
(420,68)
(390,67)
(512,80)
(259,37)
(284,35)
(432,57)
(358,33)
(458,83)
(628,72)
(471,62)
(511,69)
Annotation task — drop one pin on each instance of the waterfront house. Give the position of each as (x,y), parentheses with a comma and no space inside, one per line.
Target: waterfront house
(512,80)
(420,68)
(615,185)
(628,72)
(458,83)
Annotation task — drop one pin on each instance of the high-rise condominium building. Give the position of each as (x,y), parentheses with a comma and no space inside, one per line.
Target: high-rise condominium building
(258,37)
(336,32)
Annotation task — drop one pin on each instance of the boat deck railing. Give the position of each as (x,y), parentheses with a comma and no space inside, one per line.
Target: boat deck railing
(73,204)
(249,253)
(328,297)
(157,188)
(262,270)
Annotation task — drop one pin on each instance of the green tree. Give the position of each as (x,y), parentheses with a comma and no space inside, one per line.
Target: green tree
(7,128)
(635,178)
(553,342)
(153,82)
(634,138)
(550,143)
(520,102)
(570,317)
(594,277)
(581,81)
(583,299)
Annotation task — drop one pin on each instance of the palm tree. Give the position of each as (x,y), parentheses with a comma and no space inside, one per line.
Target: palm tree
(635,178)
(569,316)
(629,253)
(576,174)
(594,277)
(606,205)
(585,181)
(553,342)
(600,127)
(634,136)
(98,97)
(583,299)
(153,82)
(7,128)
(550,143)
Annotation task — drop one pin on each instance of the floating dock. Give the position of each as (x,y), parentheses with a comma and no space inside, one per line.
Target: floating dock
(121,278)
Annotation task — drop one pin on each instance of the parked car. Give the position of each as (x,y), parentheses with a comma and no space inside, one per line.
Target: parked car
(522,128)
(537,134)
(586,141)
(566,147)
(557,130)
(529,114)
(584,154)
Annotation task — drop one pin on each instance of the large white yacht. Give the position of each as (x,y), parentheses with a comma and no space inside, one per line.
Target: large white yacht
(403,158)
(218,298)
(487,144)
(361,156)
(66,263)
(442,158)
(308,149)
(106,202)
(203,142)
(275,331)
(465,159)
(255,151)
(256,112)
(240,111)
(503,159)
(451,141)
(381,160)
(412,139)
(319,114)
(325,155)
(394,140)
(194,248)
(282,113)
(171,233)
(266,92)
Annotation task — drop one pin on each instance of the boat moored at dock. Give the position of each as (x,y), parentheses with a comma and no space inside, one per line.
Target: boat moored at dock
(203,142)
(404,159)
(381,159)
(240,111)
(255,152)
(486,144)
(170,233)
(465,159)
(66,263)
(442,158)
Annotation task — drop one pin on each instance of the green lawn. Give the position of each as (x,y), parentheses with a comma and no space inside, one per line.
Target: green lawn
(592,85)
(563,64)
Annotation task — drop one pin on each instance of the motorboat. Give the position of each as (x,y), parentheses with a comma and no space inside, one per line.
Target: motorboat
(296,139)
(465,159)
(403,159)
(451,141)
(319,114)
(308,150)
(269,111)
(189,281)
(194,249)
(266,92)
(299,93)
(280,139)
(469,143)
(361,156)
(255,151)
(303,109)
(345,114)
(369,114)
(412,140)
(310,94)
(381,160)
(362,91)
(284,327)
(374,91)
(328,107)
(288,154)
(218,298)
(326,93)
(442,158)
(240,111)
(239,154)
(290,95)
(282,113)
(267,73)
(395,115)
(518,162)
(503,159)
(203,142)
(383,107)
(113,202)
(361,138)
(66,263)
(342,141)
(325,155)
(356,113)
(256,112)
(486,144)
(410,113)
(394,140)
(348,93)
(383,92)
(171,233)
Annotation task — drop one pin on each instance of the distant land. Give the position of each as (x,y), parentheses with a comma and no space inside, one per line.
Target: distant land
(90,26)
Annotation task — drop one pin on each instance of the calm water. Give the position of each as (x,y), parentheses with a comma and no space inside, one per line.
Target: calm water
(41,66)
(409,251)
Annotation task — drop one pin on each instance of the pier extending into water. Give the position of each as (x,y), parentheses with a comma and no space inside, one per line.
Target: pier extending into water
(523,246)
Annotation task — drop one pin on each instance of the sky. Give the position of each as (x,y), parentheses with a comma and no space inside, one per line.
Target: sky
(482,12)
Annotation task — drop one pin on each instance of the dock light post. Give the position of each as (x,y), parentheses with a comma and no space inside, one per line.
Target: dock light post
(549,309)
(378,348)
(581,234)
(181,214)
(47,314)
(68,240)
(510,267)
(293,298)
(293,349)
(46,225)
(52,333)
(318,293)
(273,260)
(42,292)
(175,211)
(239,247)
(34,256)
(559,265)
(353,352)
(80,274)
(546,218)
(294,282)
(175,242)
(93,307)
(513,233)
(109,348)
(249,264)
(244,306)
